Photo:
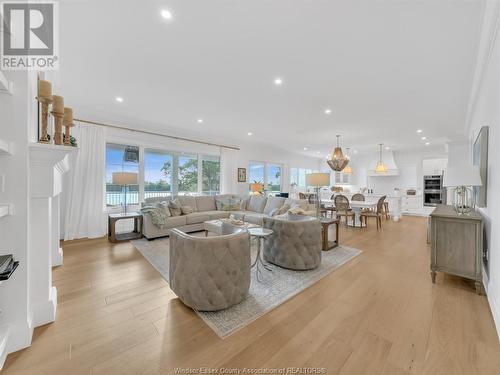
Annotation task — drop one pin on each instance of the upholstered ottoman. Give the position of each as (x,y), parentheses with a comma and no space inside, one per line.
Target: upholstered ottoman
(210,273)
(296,244)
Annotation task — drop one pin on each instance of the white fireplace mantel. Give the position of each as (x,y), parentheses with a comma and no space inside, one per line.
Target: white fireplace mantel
(48,163)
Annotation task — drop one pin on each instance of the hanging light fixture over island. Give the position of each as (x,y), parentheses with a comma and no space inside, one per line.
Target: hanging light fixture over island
(381,168)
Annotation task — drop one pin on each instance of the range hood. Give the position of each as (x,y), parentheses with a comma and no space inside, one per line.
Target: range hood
(388,159)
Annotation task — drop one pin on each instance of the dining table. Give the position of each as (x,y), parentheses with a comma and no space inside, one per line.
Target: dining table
(357,207)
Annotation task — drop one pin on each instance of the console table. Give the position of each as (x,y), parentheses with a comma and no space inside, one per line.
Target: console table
(457,244)
(135,234)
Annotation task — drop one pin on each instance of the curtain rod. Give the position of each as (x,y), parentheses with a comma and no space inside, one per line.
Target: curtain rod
(153,133)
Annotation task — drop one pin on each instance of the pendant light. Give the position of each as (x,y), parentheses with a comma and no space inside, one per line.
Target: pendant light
(348,169)
(338,160)
(381,168)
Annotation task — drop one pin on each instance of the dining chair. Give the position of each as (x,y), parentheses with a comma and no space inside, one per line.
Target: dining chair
(358,197)
(302,196)
(342,207)
(386,211)
(378,214)
(331,209)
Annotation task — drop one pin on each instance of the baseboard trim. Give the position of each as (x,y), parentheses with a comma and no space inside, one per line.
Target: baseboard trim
(45,312)
(14,337)
(57,258)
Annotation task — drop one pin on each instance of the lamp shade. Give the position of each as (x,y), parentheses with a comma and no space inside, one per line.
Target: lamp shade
(318,179)
(464,175)
(257,187)
(124,178)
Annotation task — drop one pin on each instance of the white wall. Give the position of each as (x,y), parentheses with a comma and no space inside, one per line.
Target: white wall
(15,129)
(486,112)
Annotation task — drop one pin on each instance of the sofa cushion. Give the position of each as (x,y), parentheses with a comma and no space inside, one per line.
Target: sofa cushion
(214,215)
(205,203)
(244,203)
(256,203)
(197,217)
(187,200)
(175,222)
(273,203)
(254,218)
(151,201)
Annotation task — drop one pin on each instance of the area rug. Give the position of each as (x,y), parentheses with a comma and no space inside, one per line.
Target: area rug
(273,289)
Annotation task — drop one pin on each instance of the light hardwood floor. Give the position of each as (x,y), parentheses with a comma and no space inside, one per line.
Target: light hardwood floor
(379,314)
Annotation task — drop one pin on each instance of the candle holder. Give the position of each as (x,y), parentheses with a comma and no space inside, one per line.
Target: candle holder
(45,102)
(58,120)
(68,123)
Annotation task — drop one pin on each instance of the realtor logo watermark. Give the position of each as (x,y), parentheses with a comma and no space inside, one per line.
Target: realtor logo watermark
(29,36)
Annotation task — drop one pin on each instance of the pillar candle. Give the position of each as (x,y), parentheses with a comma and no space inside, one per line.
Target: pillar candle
(44,89)
(58,104)
(68,116)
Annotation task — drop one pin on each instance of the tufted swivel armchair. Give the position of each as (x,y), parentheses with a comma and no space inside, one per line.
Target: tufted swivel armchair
(210,273)
(296,244)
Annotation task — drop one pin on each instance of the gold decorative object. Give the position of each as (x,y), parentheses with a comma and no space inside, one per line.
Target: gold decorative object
(68,123)
(44,98)
(338,161)
(58,113)
(381,168)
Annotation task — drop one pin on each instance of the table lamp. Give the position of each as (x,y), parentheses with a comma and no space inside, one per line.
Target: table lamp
(257,188)
(318,180)
(125,179)
(462,178)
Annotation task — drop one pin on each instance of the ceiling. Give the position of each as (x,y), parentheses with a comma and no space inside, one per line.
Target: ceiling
(385,68)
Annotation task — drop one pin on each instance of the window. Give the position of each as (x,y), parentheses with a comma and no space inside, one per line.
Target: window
(256,172)
(210,175)
(187,174)
(121,158)
(267,174)
(274,178)
(157,173)
(294,176)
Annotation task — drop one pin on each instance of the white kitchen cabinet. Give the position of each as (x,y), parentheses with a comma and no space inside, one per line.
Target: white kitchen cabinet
(431,167)
(414,205)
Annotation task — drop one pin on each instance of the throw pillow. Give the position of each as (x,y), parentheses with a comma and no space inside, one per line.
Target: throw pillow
(164,206)
(283,210)
(175,207)
(228,203)
(229,206)
(187,210)
(244,203)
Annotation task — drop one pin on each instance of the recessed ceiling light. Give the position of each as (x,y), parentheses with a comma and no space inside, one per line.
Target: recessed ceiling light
(387,148)
(419,131)
(424,138)
(119,99)
(305,148)
(249,133)
(427,143)
(328,111)
(318,152)
(278,81)
(166,14)
(200,121)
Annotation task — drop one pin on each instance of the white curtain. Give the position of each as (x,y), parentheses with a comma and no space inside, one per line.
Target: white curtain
(84,216)
(229,170)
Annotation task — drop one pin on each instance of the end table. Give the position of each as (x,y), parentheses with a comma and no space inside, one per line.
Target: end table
(135,234)
(326,243)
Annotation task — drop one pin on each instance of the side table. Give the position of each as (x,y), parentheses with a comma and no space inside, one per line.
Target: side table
(326,243)
(260,233)
(135,234)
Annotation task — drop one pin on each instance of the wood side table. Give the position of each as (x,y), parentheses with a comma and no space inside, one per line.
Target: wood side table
(135,234)
(326,243)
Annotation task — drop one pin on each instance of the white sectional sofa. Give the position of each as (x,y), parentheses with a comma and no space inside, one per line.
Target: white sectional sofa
(252,209)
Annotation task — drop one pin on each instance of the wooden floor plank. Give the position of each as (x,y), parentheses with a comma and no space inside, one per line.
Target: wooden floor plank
(379,314)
